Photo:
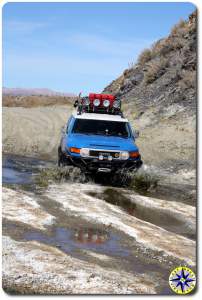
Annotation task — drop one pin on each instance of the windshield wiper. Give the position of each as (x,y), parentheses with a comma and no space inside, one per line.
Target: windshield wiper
(120,136)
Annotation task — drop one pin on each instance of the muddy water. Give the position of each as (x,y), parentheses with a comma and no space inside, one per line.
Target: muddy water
(15,173)
(18,169)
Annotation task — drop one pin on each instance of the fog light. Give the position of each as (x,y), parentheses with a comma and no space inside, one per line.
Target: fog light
(124,155)
(106,103)
(84,152)
(96,102)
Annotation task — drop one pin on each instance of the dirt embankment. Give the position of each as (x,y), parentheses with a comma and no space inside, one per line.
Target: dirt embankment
(170,143)
(34,131)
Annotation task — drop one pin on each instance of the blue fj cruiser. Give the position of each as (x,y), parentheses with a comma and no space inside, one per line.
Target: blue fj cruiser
(97,137)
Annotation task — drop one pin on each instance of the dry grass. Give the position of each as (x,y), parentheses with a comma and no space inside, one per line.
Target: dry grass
(157,68)
(165,46)
(34,101)
(58,175)
(180,28)
(145,56)
(162,47)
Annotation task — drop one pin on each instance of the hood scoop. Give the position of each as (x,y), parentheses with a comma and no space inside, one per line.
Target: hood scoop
(99,145)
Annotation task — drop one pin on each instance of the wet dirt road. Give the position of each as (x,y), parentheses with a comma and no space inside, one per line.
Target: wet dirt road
(74,238)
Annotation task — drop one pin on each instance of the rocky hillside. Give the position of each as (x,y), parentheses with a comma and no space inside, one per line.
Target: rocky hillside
(165,74)
(159,94)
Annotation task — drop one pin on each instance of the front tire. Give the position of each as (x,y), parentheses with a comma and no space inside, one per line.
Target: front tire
(62,160)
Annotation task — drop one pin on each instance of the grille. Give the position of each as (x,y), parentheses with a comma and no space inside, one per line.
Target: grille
(96,153)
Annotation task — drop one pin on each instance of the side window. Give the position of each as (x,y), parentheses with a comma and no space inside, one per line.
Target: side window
(69,124)
(67,127)
(130,130)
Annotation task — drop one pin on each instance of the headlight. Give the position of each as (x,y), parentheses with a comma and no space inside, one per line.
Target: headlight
(124,155)
(106,103)
(96,102)
(84,152)
(116,104)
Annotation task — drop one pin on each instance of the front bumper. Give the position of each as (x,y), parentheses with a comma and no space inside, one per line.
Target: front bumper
(94,164)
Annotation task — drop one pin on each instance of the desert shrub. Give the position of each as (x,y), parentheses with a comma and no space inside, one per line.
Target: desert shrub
(59,174)
(157,67)
(180,28)
(173,42)
(125,72)
(145,56)
(192,25)
(167,45)
(143,181)
(188,79)
(159,48)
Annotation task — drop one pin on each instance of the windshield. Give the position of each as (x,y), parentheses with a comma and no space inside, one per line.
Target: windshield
(100,127)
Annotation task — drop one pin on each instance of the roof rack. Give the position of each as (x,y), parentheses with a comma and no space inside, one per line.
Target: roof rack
(99,103)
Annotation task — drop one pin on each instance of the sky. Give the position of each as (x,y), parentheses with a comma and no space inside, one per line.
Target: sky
(80,47)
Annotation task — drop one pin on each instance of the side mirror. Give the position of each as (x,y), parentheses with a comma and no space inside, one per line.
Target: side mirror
(136,134)
(76,103)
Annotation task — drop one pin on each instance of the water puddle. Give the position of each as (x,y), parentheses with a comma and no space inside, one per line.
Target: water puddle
(148,214)
(20,170)
(13,173)
(70,241)
(78,241)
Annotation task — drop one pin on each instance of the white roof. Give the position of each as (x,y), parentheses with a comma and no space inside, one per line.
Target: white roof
(104,117)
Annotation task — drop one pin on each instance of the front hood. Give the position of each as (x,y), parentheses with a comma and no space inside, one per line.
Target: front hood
(101,142)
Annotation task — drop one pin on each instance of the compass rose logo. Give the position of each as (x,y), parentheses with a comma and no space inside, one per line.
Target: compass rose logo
(182,280)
